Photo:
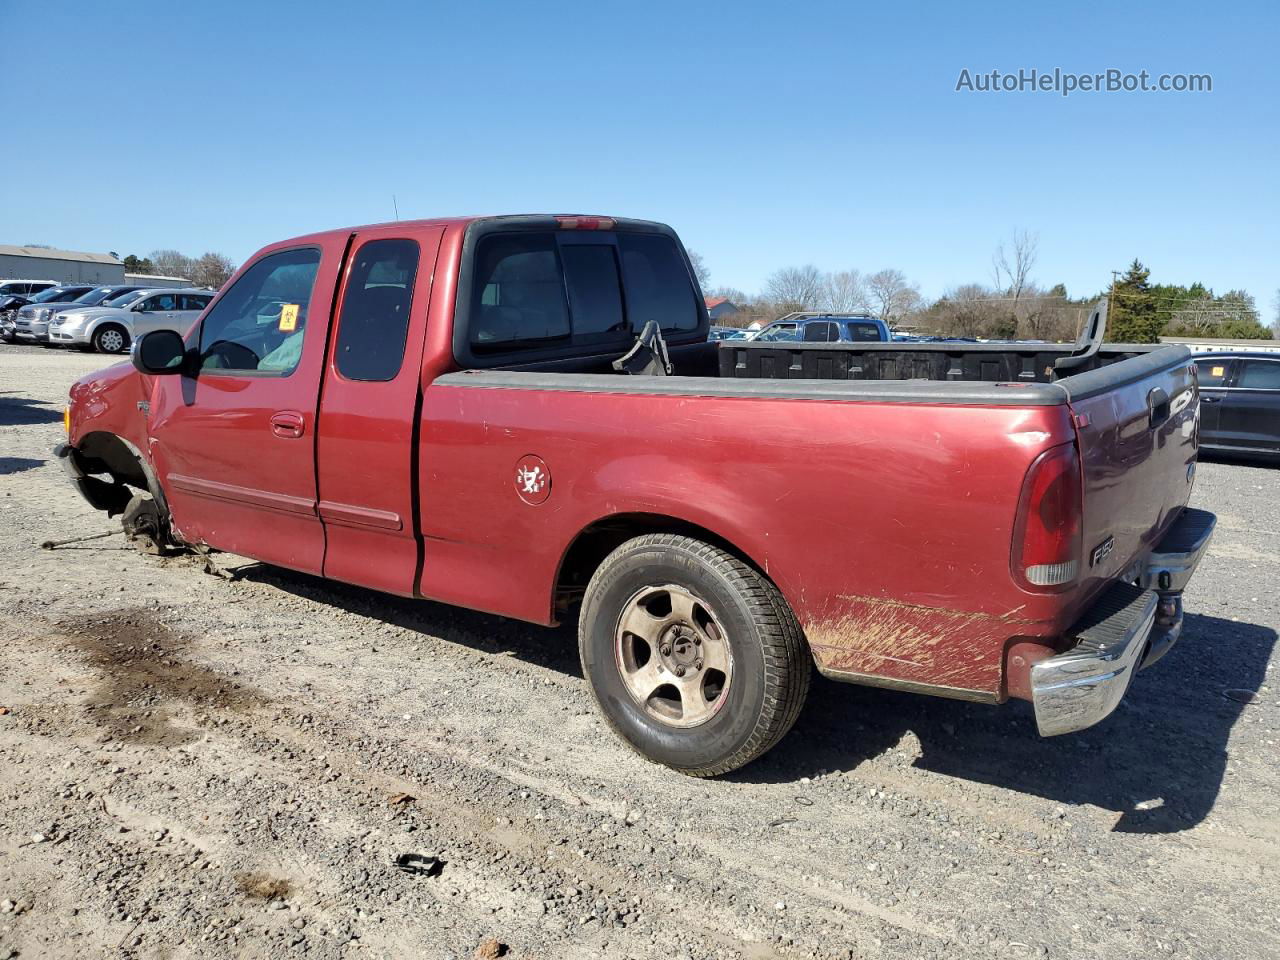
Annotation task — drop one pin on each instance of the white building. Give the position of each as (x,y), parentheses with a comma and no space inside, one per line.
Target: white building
(1212,345)
(65,266)
(152,280)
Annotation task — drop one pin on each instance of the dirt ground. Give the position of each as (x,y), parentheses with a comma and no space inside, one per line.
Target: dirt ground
(283,767)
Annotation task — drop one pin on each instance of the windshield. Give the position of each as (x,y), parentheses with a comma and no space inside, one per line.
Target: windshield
(114,298)
(44,296)
(124,299)
(94,296)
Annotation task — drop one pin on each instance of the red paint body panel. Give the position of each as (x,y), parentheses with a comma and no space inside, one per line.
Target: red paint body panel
(259,485)
(886,525)
(107,401)
(365,447)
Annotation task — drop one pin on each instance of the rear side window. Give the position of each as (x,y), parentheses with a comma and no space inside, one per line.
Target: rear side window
(595,295)
(161,302)
(259,323)
(864,332)
(374,322)
(1212,372)
(1259,374)
(657,283)
(820,332)
(518,294)
(780,332)
(189,301)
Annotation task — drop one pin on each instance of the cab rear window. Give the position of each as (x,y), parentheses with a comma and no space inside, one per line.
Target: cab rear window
(657,283)
(532,290)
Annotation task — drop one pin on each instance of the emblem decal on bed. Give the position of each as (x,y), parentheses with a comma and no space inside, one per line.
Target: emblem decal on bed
(533,480)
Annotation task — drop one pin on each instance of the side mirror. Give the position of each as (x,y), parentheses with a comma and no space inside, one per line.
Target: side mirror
(159,353)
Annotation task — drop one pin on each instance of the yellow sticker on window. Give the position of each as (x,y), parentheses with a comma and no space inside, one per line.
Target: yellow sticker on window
(289,317)
(1219,371)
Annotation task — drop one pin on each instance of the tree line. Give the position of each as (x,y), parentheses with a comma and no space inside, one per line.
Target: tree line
(208,270)
(1010,305)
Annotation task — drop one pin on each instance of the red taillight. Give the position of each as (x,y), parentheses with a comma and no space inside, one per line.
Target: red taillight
(1046,535)
(586,223)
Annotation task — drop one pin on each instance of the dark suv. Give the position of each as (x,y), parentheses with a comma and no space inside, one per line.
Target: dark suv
(824,328)
(1240,402)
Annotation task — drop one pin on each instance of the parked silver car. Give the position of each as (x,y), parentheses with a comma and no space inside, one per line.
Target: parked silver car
(112,327)
(31,322)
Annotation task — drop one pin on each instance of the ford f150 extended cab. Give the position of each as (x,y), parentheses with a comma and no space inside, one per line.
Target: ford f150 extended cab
(522,415)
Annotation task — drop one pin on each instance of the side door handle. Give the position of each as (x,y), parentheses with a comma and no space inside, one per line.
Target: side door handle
(1157,407)
(1204,399)
(287,424)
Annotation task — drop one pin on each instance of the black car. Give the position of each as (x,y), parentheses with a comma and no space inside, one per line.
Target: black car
(1240,402)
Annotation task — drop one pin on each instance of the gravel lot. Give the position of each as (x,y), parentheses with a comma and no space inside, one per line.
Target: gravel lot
(191,767)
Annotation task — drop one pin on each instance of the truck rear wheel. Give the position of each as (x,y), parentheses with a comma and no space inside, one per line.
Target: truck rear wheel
(695,659)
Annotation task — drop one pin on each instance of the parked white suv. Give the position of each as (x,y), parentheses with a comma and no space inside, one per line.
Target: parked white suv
(112,329)
(25,288)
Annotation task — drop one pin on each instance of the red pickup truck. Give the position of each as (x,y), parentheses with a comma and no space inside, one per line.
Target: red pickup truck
(443,409)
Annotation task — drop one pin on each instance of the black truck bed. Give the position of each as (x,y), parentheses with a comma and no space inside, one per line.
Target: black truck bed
(946,362)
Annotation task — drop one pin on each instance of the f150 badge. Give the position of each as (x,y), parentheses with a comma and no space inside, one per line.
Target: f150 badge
(1102,551)
(533,480)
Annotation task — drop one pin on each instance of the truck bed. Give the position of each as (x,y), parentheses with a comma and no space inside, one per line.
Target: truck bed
(996,374)
(945,362)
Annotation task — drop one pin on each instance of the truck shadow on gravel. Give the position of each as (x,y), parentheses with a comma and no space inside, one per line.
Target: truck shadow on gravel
(1158,762)
(555,648)
(1166,743)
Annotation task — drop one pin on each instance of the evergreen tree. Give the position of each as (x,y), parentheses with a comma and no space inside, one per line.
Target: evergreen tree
(1132,315)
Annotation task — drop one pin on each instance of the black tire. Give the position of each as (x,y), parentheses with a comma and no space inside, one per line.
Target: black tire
(103,332)
(771,665)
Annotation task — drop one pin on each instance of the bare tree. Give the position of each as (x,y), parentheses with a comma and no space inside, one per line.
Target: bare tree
(795,288)
(1275,325)
(891,296)
(171,263)
(213,270)
(1013,268)
(729,293)
(845,292)
(700,270)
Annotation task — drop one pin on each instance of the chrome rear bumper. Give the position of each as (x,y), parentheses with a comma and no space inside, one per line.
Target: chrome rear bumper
(1130,627)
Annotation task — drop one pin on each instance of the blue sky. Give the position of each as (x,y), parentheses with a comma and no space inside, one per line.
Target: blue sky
(767,134)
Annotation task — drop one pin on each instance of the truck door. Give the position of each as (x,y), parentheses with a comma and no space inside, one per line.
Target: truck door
(234,444)
(369,410)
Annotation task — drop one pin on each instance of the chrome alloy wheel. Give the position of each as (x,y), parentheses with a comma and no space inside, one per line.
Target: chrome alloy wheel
(673,656)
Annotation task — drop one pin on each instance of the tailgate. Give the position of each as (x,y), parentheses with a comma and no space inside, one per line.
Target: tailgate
(1136,422)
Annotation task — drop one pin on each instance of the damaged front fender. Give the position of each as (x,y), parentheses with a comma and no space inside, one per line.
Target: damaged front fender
(111,497)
